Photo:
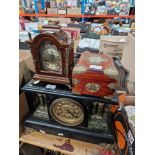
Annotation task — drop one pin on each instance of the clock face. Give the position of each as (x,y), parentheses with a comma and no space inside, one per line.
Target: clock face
(67,112)
(50,58)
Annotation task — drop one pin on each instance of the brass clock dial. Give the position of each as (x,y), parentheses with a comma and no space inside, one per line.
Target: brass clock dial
(67,112)
(50,57)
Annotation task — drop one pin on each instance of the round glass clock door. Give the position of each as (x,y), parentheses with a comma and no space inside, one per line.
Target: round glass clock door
(50,57)
(67,111)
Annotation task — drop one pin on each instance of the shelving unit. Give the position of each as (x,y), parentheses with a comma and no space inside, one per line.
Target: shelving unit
(50,141)
(75,16)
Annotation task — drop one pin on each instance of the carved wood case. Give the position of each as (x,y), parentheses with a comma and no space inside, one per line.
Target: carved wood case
(53,57)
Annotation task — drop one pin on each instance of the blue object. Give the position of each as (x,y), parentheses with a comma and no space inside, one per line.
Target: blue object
(36,7)
(132,3)
(82,10)
(84,2)
(42,5)
(36,31)
(83,6)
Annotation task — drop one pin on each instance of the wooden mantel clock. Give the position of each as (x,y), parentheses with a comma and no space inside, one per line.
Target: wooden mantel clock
(53,57)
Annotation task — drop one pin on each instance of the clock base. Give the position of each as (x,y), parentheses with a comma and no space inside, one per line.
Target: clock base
(53,79)
(78,133)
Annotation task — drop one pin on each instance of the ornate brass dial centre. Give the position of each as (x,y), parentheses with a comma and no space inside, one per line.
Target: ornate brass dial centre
(67,111)
(50,57)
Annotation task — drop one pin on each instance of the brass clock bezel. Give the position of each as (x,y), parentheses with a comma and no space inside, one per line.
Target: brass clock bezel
(65,121)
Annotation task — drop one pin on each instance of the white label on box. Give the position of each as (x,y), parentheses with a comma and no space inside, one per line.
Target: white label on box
(95,67)
(49,86)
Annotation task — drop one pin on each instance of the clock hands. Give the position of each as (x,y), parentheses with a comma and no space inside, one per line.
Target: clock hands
(72,114)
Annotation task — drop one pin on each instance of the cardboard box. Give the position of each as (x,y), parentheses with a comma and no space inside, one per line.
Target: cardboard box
(61,20)
(52,10)
(26,66)
(62,11)
(113,45)
(21,11)
(74,10)
(128,61)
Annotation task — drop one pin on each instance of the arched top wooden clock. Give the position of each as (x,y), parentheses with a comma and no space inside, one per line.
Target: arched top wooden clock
(53,57)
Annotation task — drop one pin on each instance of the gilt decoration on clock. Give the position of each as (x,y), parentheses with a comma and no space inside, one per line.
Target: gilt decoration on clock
(67,111)
(50,58)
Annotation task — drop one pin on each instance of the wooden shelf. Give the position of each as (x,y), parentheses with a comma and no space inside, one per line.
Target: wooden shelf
(56,143)
(75,16)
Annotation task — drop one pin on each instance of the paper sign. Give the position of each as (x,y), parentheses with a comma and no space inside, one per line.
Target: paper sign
(50,86)
(95,67)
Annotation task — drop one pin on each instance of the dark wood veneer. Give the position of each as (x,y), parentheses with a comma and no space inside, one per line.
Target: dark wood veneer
(59,39)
